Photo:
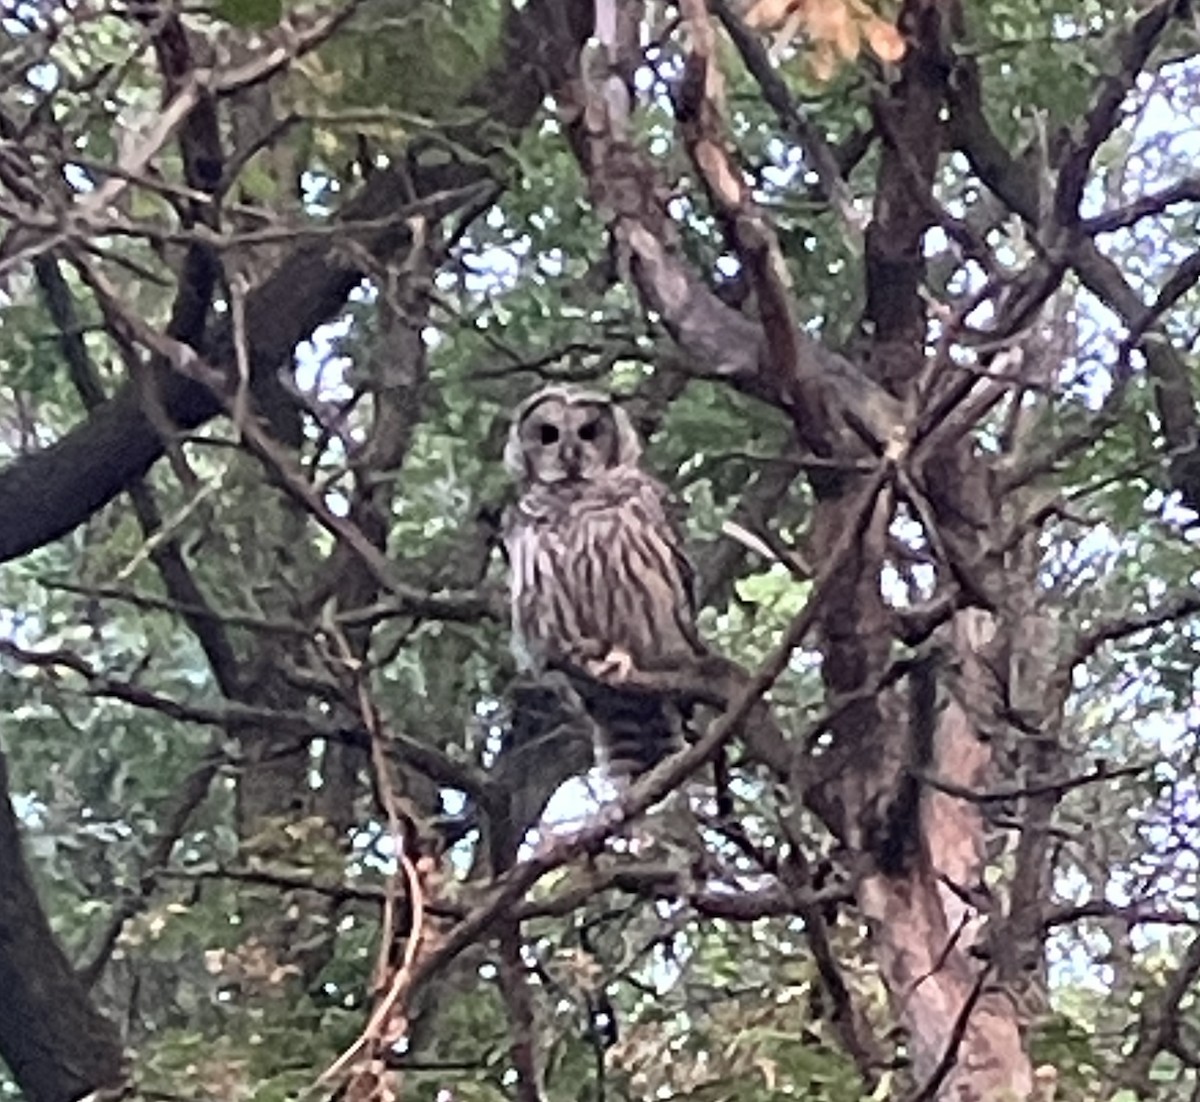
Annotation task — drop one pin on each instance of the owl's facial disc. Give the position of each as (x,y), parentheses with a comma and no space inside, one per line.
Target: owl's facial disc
(570,443)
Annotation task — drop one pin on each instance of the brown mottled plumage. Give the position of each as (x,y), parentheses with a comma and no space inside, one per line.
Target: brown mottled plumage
(599,577)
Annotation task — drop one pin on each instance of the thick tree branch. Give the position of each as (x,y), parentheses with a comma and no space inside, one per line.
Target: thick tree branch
(824,394)
(50,492)
(909,119)
(54,1042)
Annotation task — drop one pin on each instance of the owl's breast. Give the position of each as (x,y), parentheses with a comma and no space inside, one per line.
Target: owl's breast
(597,572)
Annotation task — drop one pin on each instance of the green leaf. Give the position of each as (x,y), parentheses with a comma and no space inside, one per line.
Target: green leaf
(250,13)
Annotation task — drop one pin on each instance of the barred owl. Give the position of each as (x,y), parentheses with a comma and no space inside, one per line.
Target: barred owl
(599,578)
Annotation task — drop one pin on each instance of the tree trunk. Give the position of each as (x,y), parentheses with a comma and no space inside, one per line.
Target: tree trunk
(56,1044)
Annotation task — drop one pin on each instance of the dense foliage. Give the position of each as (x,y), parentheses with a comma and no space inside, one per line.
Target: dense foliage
(271,281)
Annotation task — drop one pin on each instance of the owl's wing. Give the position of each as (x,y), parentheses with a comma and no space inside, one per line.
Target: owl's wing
(512,520)
(546,623)
(519,538)
(668,513)
(673,516)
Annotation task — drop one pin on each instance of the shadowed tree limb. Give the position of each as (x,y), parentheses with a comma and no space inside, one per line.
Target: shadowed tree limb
(1133,52)
(1015,183)
(49,492)
(53,1040)
(698,109)
(1185,191)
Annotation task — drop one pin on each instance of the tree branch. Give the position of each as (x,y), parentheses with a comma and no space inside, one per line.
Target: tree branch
(55,1043)
(818,155)
(1133,51)
(825,394)
(50,492)
(1016,185)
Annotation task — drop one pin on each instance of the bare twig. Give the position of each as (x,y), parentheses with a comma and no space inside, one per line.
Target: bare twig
(1184,191)
(148,601)
(290,40)
(1177,607)
(389,1019)
(1102,773)
(1133,51)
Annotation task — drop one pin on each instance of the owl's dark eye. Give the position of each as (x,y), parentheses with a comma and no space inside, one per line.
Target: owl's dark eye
(589,430)
(547,434)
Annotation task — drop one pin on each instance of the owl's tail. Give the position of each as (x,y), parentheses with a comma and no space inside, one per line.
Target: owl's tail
(634,730)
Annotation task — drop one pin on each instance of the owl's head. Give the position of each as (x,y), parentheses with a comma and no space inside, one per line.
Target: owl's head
(563,434)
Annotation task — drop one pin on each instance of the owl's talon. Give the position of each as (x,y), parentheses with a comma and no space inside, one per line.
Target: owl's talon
(614,667)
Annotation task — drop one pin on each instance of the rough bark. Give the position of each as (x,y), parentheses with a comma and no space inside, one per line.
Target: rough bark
(924,847)
(57,1046)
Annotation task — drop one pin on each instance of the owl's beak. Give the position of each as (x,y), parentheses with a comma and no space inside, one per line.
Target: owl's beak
(570,460)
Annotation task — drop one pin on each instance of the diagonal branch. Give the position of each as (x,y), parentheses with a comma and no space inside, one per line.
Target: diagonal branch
(825,395)
(1160,1021)
(188,92)
(1133,51)
(930,1088)
(819,156)
(174,818)
(1177,607)
(1016,185)
(166,554)
(1177,284)
(1184,191)
(49,492)
(698,109)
